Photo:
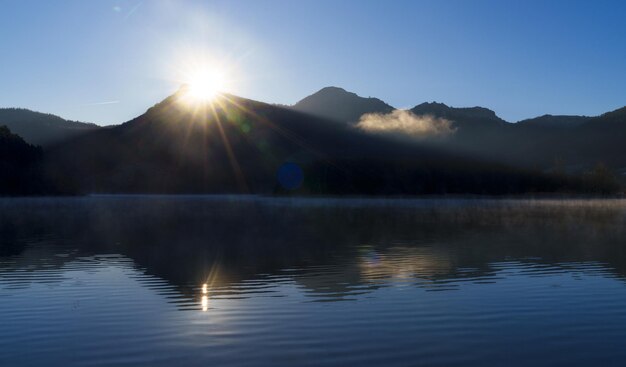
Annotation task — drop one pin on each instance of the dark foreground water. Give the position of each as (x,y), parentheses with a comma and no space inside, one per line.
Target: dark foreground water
(219,281)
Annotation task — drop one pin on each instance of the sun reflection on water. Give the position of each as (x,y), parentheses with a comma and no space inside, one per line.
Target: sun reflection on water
(204,303)
(204,300)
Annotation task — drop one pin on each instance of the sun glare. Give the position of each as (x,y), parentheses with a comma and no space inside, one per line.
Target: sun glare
(203,76)
(204,85)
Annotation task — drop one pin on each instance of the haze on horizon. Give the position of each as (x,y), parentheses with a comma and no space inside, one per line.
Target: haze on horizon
(107,61)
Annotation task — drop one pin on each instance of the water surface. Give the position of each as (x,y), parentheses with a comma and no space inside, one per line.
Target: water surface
(252,281)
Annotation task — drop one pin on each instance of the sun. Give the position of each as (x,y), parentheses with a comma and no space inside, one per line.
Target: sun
(203,76)
(204,84)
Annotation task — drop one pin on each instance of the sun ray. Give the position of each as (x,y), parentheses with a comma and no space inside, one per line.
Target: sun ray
(204,92)
(239,177)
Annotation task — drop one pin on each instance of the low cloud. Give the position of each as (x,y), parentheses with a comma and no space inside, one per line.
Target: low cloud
(406,123)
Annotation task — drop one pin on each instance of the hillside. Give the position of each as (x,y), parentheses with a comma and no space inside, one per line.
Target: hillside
(41,128)
(20,166)
(340,105)
(236,145)
(574,144)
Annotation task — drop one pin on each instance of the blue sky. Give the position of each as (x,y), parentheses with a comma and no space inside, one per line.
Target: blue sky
(107,61)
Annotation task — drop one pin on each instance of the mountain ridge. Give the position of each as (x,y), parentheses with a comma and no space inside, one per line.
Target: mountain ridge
(340,105)
(235,145)
(41,128)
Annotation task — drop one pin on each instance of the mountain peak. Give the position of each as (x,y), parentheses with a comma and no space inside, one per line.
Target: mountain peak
(430,106)
(618,113)
(333,89)
(337,104)
(456,113)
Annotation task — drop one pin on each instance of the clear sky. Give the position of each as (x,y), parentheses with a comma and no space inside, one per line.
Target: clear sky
(107,61)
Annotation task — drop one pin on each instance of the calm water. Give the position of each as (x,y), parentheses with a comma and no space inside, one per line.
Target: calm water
(226,281)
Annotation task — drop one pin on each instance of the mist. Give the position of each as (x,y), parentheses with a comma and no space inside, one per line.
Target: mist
(406,123)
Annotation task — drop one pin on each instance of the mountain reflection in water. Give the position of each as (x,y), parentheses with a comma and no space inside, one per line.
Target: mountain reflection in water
(196,251)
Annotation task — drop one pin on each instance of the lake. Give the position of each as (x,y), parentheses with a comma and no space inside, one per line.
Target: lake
(256,281)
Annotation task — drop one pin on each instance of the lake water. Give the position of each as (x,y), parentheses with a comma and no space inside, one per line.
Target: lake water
(251,281)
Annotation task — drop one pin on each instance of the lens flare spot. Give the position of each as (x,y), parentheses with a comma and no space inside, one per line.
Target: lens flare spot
(290,176)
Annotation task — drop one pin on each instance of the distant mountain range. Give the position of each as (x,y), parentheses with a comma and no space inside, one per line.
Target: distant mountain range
(574,143)
(240,145)
(317,146)
(41,128)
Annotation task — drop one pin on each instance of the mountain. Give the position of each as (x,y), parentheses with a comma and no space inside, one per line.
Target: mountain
(554,122)
(20,166)
(237,145)
(41,128)
(464,115)
(600,139)
(573,143)
(475,127)
(340,105)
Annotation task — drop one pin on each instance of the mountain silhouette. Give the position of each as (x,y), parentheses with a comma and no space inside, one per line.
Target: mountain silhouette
(236,145)
(41,128)
(340,105)
(20,166)
(575,143)
(465,115)
(552,122)
(475,127)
